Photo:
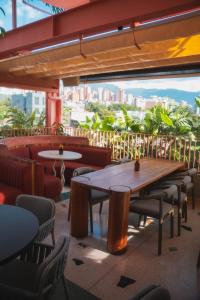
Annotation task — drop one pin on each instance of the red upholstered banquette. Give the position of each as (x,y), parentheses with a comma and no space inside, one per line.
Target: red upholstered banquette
(42,182)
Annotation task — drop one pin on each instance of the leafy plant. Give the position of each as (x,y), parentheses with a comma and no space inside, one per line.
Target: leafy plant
(16,118)
(2,30)
(59,128)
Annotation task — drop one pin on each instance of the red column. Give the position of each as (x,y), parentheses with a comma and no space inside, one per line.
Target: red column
(53,108)
(14,14)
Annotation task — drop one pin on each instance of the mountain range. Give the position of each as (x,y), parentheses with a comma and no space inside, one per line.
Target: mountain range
(177,95)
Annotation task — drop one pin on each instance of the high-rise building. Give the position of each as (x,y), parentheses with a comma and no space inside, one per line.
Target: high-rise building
(29,102)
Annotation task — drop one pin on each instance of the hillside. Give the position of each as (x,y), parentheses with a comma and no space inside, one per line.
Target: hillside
(177,95)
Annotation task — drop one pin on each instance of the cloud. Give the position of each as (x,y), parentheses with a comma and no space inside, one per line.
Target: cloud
(191,84)
(25,11)
(2,23)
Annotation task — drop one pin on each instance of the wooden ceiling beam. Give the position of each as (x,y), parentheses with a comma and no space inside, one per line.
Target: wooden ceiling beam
(131,66)
(29,83)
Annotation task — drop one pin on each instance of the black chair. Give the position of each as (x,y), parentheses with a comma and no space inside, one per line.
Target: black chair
(35,273)
(173,195)
(44,209)
(156,208)
(187,177)
(152,292)
(95,196)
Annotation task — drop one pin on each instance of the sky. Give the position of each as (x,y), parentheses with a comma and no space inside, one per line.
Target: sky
(191,84)
(27,15)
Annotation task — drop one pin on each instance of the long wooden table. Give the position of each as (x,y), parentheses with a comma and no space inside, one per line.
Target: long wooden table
(119,181)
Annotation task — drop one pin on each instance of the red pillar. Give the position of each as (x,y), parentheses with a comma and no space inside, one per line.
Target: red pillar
(14,14)
(53,108)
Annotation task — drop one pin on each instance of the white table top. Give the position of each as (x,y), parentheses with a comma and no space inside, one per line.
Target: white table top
(54,154)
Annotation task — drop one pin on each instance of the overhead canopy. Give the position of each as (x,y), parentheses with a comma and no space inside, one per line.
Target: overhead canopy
(169,44)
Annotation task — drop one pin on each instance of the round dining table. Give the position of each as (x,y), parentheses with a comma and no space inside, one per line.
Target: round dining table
(66,155)
(18,229)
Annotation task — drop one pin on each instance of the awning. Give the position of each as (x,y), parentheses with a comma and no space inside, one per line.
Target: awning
(154,45)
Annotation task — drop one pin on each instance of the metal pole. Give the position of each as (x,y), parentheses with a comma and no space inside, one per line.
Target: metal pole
(14,14)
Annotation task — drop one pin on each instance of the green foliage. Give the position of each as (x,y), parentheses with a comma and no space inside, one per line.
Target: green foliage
(119,106)
(54,9)
(101,109)
(2,30)
(197,101)
(19,119)
(59,128)
(178,121)
(4,106)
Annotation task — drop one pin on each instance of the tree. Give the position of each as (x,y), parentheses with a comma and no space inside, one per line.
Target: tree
(2,30)
(16,118)
(197,101)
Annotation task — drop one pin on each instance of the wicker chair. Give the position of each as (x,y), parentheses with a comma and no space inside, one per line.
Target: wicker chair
(35,274)
(155,207)
(152,292)
(95,195)
(44,210)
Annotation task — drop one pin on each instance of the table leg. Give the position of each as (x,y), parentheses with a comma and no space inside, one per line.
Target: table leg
(62,173)
(54,168)
(118,220)
(79,210)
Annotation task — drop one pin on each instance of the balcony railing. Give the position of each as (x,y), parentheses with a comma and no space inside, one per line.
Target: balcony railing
(126,144)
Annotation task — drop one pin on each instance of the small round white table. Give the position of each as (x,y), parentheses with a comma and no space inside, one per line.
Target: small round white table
(54,154)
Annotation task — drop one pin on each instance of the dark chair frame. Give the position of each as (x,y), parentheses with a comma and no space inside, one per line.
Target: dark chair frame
(181,211)
(50,263)
(161,218)
(152,292)
(47,227)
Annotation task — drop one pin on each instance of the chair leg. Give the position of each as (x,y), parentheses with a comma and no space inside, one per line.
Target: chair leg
(91,217)
(185,211)
(179,211)
(65,288)
(198,260)
(69,210)
(144,221)
(100,207)
(160,237)
(53,237)
(179,220)
(193,199)
(139,220)
(172,225)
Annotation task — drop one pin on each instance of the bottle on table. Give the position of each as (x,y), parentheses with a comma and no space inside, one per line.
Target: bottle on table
(61,149)
(137,164)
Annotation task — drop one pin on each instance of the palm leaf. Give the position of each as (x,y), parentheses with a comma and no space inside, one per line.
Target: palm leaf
(1,9)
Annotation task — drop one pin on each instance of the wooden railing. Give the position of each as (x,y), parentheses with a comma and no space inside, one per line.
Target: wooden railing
(11,132)
(126,144)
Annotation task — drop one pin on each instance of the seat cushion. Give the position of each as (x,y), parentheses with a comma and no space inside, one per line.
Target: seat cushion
(52,187)
(8,194)
(150,207)
(97,196)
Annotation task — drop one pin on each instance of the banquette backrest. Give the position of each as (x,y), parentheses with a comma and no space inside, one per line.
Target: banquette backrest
(13,142)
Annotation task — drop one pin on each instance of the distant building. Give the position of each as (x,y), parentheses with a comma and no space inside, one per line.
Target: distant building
(29,102)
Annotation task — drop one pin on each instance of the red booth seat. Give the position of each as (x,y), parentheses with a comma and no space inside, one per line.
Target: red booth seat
(15,178)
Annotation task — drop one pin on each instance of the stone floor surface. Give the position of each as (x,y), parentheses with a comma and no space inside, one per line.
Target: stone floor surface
(91,267)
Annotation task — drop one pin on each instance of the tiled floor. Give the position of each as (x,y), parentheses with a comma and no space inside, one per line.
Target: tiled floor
(99,272)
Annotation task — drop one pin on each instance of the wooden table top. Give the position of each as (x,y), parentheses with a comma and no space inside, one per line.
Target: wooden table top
(124,176)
